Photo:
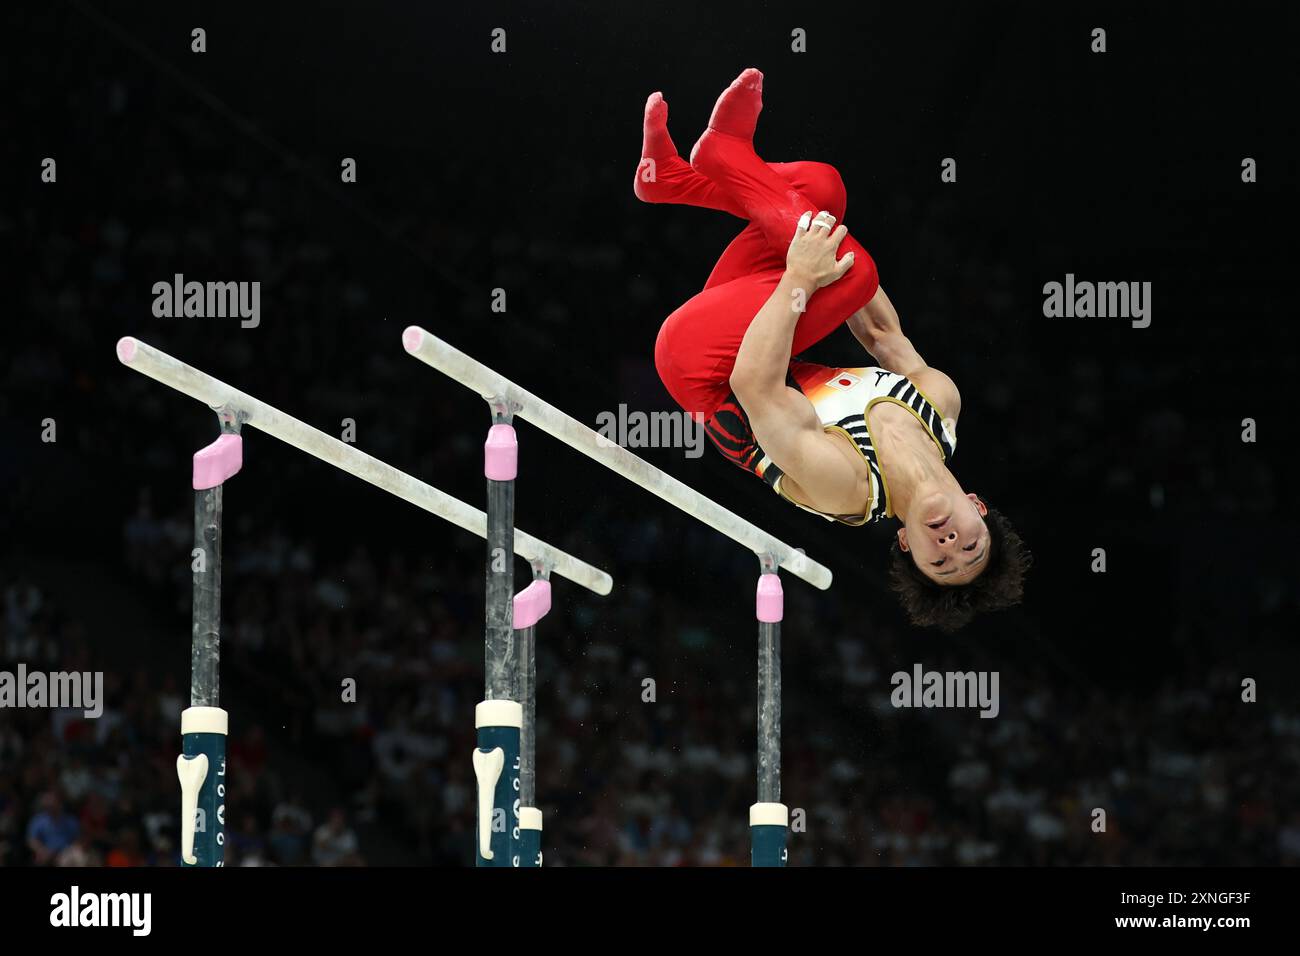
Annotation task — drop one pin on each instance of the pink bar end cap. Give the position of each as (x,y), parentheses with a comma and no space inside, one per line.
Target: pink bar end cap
(219,461)
(532,603)
(412,338)
(771,599)
(501,453)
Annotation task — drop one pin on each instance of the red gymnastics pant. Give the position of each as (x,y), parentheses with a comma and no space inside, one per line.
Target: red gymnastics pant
(697,344)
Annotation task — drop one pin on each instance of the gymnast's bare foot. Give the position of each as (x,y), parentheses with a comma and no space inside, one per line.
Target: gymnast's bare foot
(735,113)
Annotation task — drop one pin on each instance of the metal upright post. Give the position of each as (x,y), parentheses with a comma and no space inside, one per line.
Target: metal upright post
(201,767)
(768,818)
(531,605)
(499,718)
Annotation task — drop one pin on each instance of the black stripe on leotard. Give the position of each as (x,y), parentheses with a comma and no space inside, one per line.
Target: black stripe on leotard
(731,434)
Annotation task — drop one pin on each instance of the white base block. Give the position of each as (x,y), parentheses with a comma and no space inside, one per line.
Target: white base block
(204,720)
(498,713)
(769,815)
(530,818)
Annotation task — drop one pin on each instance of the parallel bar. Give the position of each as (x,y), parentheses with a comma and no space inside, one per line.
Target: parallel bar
(769,817)
(205,627)
(527,638)
(216,394)
(530,606)
(476,376)
(201,767)
(769,712)
(500,653)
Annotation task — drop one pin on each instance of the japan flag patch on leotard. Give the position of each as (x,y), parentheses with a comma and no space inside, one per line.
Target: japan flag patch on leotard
(843,381)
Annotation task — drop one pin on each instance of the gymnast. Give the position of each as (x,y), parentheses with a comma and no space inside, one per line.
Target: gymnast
(856,444)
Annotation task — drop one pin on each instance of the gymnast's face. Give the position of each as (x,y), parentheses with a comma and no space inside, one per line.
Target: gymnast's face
(946,536)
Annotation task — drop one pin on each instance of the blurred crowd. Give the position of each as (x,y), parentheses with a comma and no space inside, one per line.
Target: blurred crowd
(103,791)
(622,780)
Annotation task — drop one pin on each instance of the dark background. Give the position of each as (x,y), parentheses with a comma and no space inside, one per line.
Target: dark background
(476,171)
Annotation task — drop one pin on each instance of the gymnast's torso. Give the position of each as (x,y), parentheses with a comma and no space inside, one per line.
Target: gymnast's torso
(842,399)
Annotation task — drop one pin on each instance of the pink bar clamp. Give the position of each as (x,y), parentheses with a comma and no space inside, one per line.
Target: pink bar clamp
(219,461)
(771,599)
(501,453)
(532,603)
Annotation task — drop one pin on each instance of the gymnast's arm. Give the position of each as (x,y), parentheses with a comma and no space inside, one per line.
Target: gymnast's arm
(877,327)
(786,427)
(783,420)
(763,359)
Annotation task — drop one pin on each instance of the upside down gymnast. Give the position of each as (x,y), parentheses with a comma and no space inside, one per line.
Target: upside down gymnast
(855,444)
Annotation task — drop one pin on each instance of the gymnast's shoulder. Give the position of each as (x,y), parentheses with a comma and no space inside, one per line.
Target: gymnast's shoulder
(939,388)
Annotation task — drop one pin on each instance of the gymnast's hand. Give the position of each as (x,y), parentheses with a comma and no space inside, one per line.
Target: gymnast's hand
(811,258)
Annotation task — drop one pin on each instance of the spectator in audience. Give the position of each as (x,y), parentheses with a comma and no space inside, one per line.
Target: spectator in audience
(334,843)
(51,831)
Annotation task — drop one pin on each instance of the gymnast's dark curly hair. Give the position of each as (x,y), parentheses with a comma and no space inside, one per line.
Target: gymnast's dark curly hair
(1001,584)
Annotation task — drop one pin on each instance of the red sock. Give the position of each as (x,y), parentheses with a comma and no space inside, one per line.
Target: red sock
(736,111)
(655,141)
(725,154)
(663,176)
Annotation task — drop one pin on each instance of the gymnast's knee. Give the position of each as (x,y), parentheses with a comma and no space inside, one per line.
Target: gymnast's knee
(663,347)
(822,184)
(860,282)
(665,351)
